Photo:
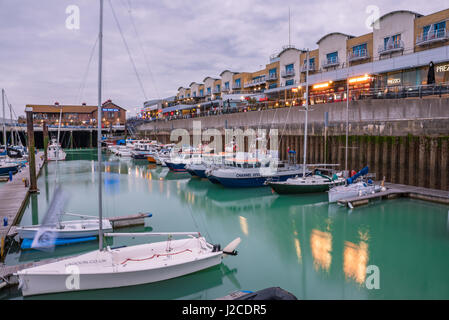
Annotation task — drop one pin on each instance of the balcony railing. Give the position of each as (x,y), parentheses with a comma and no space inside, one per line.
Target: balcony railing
(288,73)
(391,47)
(358,55)
(311,67)
(331,62)
(236,86)
(432,36)
(272,76)
(255,82)
(216,91)
(224,89)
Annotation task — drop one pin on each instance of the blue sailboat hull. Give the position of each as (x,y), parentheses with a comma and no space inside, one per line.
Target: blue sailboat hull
(4,171)
(26,243)
(176,167)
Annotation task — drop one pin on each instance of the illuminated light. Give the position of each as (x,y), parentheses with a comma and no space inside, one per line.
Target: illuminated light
(295,90)
(322,85)
(360,79)
(394,81)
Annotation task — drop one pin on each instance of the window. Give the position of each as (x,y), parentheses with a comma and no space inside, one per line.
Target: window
(289,82)
(332,57)
(440,26)
(392,42)
(359,51)
(227,85)
(194,94)
(272,71)
(218,87)
(289,67)
(201,92)
(272,86)
(208,90)
(237,83)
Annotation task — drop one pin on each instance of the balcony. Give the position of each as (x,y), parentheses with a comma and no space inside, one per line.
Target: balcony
(332,62)
(272,76)
(432,36)
(391,47)
(311,67)
(358,55)
(256,82)
(216,91)
(236,86)
(224,89)
(288,73)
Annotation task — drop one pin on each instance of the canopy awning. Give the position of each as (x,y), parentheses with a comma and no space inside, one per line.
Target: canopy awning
(179,107)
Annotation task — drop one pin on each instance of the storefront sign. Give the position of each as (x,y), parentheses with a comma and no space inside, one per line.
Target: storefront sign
(394,81)
(443,68)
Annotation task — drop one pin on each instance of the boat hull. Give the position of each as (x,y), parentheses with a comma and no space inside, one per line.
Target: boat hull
(67,233)
(252,182)
(176,167)
(112,269)
(4,171)
(284,188)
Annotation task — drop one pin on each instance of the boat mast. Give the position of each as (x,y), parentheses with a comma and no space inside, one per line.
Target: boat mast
(59,132)
(99,115)
(4,119)
(306,120)
(13,143)
(347,126)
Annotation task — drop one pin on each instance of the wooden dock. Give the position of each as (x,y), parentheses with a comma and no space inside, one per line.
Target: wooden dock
(399,190)
(13,198)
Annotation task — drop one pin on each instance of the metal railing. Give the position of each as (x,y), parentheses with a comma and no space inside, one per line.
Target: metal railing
(332,62)
(255,82)
(432,36)
(272,76)
(236,86)
(216,91)
(288,73)
(311,67)
(390,47)
(391,92)
(358,55)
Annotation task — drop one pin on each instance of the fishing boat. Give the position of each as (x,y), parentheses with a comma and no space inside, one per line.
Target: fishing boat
(126,266)
(55,152)
(250,173)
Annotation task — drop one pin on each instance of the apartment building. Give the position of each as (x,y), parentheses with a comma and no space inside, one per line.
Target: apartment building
(396,54)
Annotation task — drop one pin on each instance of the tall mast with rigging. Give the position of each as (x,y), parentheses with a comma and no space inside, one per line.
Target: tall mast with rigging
(99,115)
(306,119)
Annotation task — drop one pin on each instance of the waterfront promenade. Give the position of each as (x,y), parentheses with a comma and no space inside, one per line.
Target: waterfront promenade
(13,197)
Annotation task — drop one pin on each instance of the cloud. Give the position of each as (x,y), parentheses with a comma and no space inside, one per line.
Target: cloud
(41,61)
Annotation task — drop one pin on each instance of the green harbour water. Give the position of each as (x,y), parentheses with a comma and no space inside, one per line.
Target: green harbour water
(303,244)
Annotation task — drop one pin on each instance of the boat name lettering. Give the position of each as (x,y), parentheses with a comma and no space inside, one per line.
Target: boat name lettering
(96,261)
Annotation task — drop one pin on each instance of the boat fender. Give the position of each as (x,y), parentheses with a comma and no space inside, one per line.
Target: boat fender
(216,248)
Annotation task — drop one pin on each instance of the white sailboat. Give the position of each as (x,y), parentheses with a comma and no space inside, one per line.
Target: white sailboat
(134,265)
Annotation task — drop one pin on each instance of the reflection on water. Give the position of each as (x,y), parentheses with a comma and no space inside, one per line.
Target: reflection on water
(301,243)
(321,245)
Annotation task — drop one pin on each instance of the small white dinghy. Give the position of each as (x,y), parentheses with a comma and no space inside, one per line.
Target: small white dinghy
(67,229)
(128,266)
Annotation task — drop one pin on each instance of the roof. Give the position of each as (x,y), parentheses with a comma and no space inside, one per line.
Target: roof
(209,78)
(65,109)
(286,48)
(68,108)
(221,74)
(397,11)
(334,33)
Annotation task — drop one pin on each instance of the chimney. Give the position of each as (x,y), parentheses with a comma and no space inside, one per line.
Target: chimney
(84,104)
(56,103)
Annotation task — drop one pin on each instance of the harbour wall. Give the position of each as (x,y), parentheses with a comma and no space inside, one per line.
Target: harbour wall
(405,140)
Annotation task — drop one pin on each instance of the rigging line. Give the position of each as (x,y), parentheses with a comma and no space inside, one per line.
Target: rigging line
(127,49)
(143,51)
(80,94)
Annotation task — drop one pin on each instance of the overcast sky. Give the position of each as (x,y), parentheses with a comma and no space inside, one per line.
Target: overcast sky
(181,41)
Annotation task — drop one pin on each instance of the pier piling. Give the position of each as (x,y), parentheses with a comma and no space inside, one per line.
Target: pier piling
(31,150)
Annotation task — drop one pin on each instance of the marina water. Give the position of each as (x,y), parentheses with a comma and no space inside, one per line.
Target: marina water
(311,248)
